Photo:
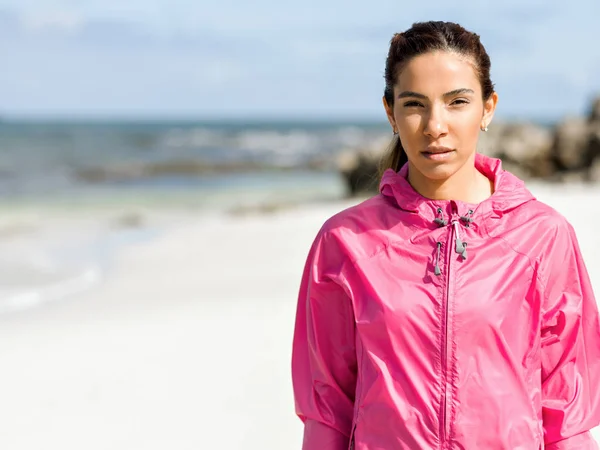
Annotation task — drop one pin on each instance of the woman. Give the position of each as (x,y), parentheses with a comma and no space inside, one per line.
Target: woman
(453,310)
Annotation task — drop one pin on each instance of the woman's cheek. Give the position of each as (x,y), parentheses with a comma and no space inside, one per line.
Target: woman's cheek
(411,123)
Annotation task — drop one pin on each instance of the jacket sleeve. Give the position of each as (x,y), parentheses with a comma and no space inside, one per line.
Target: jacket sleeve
(570,347)
(324,367)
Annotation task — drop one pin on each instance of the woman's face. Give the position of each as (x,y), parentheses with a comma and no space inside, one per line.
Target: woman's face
(438,112)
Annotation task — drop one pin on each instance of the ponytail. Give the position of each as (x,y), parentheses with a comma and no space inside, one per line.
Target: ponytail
(394,158)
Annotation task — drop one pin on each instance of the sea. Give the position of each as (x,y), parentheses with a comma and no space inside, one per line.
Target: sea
(207,165)
(203,167)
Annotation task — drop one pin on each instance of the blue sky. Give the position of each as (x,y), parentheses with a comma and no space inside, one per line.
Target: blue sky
(268,58)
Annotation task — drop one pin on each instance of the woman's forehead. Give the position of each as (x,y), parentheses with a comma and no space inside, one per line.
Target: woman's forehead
(438,72)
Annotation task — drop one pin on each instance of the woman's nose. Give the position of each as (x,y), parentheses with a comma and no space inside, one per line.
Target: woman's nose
(435,123)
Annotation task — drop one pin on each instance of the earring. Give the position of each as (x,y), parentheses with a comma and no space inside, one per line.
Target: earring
(484,128)
(395,132)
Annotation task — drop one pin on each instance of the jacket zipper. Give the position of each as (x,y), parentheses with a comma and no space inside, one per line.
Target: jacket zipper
(351,446)
(443,436)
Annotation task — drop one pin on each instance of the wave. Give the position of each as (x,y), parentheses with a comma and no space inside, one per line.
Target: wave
(25,297)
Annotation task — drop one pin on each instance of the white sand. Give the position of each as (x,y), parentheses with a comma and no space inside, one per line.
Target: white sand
(187,344)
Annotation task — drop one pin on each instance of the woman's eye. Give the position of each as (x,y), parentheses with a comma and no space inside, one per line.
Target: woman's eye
(460,101)
(409,104)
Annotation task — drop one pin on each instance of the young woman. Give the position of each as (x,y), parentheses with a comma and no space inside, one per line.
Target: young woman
(453,310)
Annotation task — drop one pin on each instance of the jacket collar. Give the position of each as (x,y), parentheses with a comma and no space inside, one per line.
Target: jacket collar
(509,193)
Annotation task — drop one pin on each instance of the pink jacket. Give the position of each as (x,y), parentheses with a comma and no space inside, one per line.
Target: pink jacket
(425,324)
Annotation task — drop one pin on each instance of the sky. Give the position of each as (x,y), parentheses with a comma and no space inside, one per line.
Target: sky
(274,58)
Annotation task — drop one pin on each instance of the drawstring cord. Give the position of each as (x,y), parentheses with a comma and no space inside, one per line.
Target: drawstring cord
(438,271)
(467,219)
(460,245)
(440,220)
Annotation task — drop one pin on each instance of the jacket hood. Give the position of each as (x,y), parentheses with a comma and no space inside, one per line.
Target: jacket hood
(509,193)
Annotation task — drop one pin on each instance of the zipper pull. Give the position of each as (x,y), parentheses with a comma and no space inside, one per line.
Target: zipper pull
(461,247)
(464,252)
(438,271)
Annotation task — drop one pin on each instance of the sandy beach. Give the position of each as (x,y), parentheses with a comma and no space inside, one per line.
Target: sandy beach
(183,339)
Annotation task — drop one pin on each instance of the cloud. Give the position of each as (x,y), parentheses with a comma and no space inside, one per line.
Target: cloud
(56,21)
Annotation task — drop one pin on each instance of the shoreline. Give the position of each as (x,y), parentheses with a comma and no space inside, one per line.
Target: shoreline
(74,246)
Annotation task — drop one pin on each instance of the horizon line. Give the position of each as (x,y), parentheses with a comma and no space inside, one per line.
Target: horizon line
(8,118)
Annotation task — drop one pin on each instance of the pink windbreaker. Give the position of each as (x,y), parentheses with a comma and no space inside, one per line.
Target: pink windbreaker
(429,324)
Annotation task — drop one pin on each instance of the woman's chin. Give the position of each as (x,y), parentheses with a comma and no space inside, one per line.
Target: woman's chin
(438,171)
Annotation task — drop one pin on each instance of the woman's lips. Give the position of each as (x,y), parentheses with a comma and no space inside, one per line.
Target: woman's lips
(438,154)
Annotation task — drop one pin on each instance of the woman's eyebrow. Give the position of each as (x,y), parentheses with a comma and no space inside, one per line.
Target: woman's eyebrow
(447,94)
(412,94)
(458,92)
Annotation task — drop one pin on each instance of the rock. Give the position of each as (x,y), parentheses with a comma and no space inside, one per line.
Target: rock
(594,172)
(360,173)
(570,144)
(360,168)
(138,171)
(521,142)
(595,110)
(519,170)
(593,153)
(529,147)
(593,148)
(131,219)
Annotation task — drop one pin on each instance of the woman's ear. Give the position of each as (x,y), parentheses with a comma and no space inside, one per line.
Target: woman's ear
(489,107)
(389,111)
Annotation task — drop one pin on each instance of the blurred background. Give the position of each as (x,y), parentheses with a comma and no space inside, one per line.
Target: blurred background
(164,167)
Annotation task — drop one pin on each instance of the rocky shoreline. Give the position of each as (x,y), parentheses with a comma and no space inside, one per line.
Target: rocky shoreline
(568,151)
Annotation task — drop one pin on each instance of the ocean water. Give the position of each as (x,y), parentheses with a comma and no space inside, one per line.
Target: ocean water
(172,161)
(202,167)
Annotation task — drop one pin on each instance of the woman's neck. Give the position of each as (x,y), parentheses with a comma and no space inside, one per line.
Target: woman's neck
(467,185)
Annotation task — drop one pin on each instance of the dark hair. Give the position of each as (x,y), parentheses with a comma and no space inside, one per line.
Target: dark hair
(424,37)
